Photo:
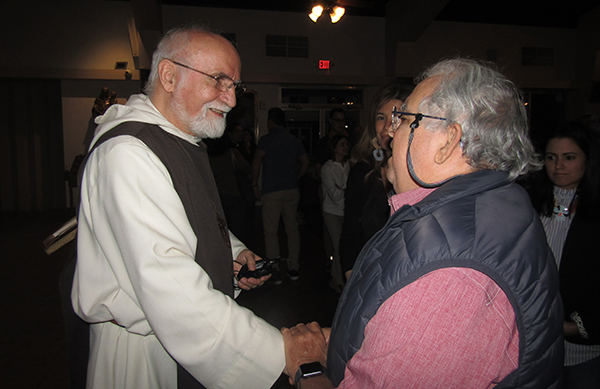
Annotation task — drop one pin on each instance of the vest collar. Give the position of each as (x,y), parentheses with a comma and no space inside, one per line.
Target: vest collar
(466,185)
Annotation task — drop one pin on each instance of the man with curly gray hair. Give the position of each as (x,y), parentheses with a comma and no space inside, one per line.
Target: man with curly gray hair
(459,289)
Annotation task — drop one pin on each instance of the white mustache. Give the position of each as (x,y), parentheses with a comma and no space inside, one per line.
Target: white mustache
(224,108)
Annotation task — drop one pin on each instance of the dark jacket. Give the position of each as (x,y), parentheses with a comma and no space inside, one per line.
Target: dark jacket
(579,271)
(366,210)
(479,221)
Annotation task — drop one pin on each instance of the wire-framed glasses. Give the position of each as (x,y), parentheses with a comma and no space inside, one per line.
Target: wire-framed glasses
(224,83)
(399,116)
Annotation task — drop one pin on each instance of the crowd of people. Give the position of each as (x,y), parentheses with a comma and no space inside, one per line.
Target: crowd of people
(463,259)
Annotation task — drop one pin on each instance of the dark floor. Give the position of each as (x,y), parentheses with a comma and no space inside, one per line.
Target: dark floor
(32,335)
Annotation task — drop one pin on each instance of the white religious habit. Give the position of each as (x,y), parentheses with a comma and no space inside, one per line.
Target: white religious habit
(136,266)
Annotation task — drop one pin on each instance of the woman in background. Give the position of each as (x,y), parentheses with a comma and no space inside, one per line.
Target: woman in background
(334,175)
(366,205)
(567,199)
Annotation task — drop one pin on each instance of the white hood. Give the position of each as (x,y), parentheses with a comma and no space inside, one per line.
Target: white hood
(139,108)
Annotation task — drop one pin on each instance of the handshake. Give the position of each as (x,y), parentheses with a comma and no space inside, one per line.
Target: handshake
(306,348)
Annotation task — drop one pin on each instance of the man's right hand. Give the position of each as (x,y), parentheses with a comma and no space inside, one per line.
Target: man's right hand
(304,344)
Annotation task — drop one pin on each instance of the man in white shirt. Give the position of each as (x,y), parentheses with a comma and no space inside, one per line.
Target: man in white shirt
(155,267)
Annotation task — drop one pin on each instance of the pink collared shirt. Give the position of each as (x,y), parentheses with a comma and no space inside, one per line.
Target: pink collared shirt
(411,197)
(451,328)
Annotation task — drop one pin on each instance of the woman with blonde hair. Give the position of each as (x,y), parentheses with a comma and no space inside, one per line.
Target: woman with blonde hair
(366,206)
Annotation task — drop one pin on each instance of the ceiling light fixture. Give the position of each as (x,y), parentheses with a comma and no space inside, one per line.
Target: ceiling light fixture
(335,12)
(317,10)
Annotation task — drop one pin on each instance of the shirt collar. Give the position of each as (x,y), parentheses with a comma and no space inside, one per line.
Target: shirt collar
(408,198)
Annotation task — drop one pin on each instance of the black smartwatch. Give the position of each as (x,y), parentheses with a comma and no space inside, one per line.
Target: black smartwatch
(308,370)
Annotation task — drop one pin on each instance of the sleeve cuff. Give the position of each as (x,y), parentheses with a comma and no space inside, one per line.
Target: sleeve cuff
(577,319)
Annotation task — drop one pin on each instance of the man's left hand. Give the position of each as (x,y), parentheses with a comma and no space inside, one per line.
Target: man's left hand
(247,257)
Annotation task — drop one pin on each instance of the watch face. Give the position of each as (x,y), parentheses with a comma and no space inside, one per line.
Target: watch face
(311,369)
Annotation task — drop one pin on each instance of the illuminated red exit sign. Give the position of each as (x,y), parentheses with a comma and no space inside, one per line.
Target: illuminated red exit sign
(324,64)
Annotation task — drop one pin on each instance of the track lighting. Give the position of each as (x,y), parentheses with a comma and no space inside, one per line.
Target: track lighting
(335,12)
(317,10)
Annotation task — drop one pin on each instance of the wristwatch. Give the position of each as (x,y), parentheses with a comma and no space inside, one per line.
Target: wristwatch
(308,370)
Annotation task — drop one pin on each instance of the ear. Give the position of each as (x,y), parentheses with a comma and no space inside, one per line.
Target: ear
(452,145)
(166,75)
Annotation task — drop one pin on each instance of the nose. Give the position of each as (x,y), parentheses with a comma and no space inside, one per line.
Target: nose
(229,98)
(559,163)
(390,129)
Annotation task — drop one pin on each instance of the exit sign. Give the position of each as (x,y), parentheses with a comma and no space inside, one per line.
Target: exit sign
(324,64)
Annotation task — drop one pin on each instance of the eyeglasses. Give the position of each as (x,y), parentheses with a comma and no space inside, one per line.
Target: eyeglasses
(397,117)
(224,82)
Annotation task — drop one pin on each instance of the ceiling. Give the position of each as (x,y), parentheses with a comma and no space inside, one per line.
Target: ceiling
(511,12)
(353,7)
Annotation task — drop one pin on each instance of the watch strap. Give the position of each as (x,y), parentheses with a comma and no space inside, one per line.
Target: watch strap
(308,370)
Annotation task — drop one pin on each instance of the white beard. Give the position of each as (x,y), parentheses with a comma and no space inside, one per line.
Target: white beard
(204,128)
(199,124)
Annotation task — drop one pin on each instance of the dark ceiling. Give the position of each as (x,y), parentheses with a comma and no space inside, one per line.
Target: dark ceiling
(512,12)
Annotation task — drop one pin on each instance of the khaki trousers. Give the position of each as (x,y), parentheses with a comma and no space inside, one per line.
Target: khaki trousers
(276,205)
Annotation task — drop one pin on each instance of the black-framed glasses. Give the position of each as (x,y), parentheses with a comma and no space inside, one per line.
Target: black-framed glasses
(224,82)
(397,117)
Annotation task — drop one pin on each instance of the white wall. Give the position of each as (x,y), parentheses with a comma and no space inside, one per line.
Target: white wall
(86,37)
(447,39)
(65,34)
(354,44)
(574,56)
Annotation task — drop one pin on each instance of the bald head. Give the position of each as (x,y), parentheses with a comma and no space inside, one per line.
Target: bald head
(192,80)
(177,43)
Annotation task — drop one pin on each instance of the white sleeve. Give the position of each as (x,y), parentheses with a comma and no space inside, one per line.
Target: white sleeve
(237,246)
(140,240)
(329,179)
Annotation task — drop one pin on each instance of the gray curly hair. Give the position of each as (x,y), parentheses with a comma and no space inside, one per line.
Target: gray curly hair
(491,111)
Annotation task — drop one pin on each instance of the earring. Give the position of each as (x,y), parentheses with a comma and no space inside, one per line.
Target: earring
(378,155)
(378,152)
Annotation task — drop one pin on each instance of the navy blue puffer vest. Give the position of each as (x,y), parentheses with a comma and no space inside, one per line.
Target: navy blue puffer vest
(479,221)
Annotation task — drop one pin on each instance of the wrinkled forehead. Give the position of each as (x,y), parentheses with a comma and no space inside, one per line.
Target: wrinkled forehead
(214,51)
